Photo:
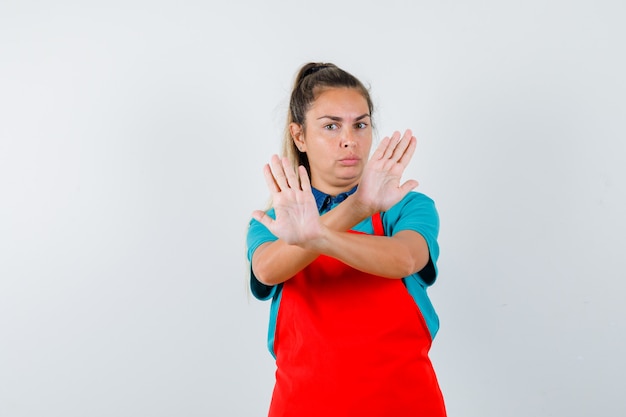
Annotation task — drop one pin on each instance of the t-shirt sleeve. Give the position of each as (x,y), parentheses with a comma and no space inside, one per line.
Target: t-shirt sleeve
(257,235)
(417,212)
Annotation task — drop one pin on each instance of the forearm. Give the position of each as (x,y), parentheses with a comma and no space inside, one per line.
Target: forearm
(391,257)
(276,262)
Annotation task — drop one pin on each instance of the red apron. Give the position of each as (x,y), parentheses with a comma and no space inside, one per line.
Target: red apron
(349,343)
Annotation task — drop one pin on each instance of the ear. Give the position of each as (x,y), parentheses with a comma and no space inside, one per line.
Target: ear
(297,134)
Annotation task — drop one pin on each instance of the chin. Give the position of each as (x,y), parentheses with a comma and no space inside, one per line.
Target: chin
(349,179)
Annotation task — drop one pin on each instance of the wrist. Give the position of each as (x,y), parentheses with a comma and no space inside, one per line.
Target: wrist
(318,242)
(361,207)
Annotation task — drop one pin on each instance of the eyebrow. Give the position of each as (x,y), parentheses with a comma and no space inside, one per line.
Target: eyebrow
(339,119)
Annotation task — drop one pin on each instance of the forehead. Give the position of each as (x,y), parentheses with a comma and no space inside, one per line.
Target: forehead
(339,102)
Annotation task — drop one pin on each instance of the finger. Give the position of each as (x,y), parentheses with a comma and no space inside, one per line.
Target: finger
(380,150)
(269,179)
(401,146)
(278,173)
(393,143)
(305,182)
(262,218)
(408,186)
(290,175)
(408,151)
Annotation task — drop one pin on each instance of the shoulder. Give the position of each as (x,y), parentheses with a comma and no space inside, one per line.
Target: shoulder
(414,198)
(417,212)
(413,210)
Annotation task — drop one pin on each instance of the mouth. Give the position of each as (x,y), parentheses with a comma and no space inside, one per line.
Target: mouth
(350,160)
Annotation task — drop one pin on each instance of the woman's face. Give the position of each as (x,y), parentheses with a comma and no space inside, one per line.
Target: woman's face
(337,139)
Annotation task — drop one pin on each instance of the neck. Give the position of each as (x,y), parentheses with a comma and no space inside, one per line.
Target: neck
(334,190)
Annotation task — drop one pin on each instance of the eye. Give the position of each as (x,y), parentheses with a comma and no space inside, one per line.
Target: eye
(331,126)
(361,125)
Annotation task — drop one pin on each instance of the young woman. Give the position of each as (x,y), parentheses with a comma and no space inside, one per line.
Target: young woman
(345,253)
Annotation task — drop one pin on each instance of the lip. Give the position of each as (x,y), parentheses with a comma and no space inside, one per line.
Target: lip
(350,160)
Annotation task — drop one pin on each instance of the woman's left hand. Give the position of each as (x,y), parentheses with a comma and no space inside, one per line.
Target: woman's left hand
(297,219)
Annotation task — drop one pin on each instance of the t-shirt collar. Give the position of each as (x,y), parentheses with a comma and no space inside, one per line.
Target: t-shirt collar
(326,202)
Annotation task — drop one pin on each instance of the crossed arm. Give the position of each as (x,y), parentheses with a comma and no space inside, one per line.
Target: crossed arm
(303,234)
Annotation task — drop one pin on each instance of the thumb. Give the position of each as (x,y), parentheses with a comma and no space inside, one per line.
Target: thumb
(408,186)
(262,218)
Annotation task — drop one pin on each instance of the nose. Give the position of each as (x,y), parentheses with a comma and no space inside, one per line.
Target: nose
(348,139)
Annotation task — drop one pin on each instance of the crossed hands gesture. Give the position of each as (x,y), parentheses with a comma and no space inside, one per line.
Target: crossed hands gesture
(297,218)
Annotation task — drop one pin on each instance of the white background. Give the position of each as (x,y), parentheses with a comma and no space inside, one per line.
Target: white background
(132,139)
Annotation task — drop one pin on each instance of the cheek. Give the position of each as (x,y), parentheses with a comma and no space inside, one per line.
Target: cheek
(317,152)
(366,139)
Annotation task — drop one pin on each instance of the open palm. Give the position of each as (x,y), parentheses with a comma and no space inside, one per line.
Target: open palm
(297,218)
(380,186)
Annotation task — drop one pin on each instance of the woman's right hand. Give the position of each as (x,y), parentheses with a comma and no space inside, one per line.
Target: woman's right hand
(379,188)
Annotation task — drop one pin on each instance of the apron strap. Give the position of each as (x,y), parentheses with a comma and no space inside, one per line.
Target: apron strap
(377,223)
